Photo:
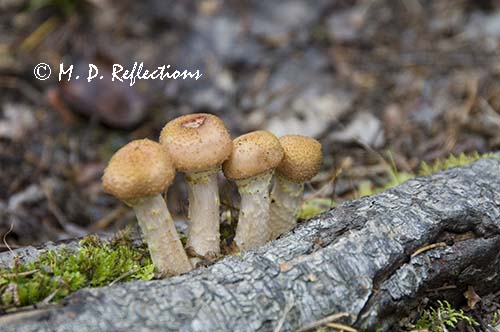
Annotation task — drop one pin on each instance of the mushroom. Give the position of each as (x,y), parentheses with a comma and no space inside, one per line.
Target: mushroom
(302,161)
(198,144)
(137,174)
(251,165)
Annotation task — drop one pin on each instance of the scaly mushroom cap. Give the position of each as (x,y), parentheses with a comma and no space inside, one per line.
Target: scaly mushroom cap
(302,158)
(196,142)
(140,168)
(253,153)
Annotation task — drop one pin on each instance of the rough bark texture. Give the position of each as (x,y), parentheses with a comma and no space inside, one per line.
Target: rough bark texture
(355,258)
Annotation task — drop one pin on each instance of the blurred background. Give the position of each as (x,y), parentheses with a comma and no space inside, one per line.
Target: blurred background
(383,85)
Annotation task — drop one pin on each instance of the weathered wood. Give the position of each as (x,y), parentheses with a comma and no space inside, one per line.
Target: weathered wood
(355,259)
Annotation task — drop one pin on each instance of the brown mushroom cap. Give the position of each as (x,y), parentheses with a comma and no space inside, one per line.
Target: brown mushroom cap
(140,168)
(196,142)
(253,153)
(302,158)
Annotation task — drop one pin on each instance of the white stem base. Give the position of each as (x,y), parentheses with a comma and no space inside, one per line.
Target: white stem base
(203,225)
(285,199)
(253,230)
(159,232)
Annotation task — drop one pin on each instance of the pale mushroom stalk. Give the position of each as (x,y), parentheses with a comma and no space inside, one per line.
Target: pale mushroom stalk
(302,160)
(285,198)
(158,230)
(251,165)
(203,224)
(138,174)
(253,230)
(198,144)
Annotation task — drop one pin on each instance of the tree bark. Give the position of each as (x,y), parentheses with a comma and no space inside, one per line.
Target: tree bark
(356,258)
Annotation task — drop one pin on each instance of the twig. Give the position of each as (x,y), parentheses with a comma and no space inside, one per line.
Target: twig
(323,321)
(442,288)
(429,247)
(61,219)
(13,82)
(56,102)
(20,274)
(108,219)
(5,239)
(13,246)
(440,319)
(126,274)
(331,181)
(58,214)
(288,307)
(31,309)
(50,297)
(39,34)
(320,191)
(341,327)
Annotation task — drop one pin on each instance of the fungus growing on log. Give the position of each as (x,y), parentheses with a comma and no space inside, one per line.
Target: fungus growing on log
(363,258)
(251,165)
(355,259)
(302,160)
(137,174)
(198,144)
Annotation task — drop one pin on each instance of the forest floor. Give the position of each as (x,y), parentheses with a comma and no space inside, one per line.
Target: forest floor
(384,85)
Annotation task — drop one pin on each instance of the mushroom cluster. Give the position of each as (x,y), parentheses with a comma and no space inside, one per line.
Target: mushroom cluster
(200,145)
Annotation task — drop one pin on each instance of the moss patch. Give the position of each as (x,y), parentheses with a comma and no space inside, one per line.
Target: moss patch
(442,318)
(397,177)
(452,161)
(57,273)
(312,207)
(316,206)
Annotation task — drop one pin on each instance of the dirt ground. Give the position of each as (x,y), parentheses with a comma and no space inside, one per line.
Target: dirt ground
(377,82)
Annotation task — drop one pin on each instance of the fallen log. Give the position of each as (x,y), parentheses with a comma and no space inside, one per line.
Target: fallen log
(376,259)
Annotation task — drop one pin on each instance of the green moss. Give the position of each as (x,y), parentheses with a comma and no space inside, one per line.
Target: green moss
(442,318)
(366,188)
(397,177)
(313,207)
(55,274)
(452,161)
(494,319)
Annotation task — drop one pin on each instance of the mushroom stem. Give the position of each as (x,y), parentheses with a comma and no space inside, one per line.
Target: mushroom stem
(203,225)
(160,234)
(253,229)
(285,198)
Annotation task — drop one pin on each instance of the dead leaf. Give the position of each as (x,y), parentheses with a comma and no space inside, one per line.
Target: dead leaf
(472,297)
